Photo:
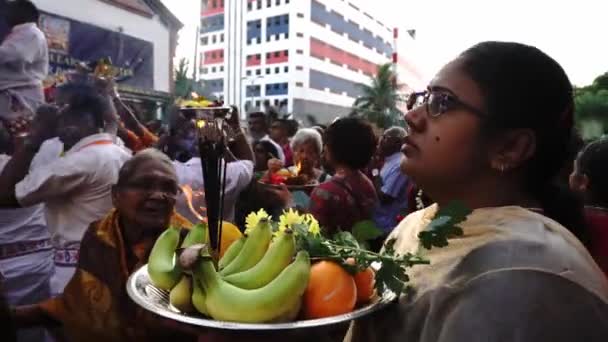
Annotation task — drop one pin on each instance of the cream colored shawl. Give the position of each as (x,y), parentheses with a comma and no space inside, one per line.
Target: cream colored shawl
(514,275)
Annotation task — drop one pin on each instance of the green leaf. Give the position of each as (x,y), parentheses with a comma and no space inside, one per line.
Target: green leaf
(444,225)
(366,231)
(345,239)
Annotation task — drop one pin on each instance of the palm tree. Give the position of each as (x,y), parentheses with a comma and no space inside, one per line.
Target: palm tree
(378,100)
(183,85)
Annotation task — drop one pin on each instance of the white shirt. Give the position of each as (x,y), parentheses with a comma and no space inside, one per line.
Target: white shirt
(21,224)
(24,57)
(277,146)
(75,188)
(238,177)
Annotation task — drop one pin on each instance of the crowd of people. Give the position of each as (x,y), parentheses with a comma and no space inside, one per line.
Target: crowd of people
(86,188)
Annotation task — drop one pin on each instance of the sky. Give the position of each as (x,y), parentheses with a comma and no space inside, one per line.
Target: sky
(575,33)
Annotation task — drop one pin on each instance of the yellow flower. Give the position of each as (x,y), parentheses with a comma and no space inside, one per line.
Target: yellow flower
(313,224)
(289,218)
(254,218)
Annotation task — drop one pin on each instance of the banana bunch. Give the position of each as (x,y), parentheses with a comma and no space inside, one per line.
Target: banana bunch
(258,280)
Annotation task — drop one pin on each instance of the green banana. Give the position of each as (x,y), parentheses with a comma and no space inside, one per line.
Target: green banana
(181,295)
(253,250)
(198,234)
(198,297)
(231,253)
(291,312)
(226,302)
(162,266)
(279,255)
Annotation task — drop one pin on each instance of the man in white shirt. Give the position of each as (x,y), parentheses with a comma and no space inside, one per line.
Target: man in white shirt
(24,62)
(75,188)
(26,253)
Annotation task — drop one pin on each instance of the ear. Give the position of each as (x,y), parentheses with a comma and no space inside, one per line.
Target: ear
(579,182)
(512,149)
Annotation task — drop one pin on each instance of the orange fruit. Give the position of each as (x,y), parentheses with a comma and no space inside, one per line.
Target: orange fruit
(331,291)
(365,281)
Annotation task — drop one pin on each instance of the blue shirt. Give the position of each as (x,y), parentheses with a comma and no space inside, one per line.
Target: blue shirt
(394,184)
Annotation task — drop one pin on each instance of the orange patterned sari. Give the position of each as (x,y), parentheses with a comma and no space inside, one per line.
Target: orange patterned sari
(95,305)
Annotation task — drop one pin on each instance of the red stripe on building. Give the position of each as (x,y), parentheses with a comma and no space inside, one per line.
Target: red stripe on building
(213,7)
(213,57)
(254,60)
(320,49)
(277,57)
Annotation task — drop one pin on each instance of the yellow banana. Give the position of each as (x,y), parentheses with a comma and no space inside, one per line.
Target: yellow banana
(226,302)
(279,255)
(181,295)
(253,249)
(198,234)
(198,297)
(291,313)
(162,266)
(231,252)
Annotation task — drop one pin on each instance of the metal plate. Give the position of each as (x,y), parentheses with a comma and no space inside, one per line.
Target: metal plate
(141,290)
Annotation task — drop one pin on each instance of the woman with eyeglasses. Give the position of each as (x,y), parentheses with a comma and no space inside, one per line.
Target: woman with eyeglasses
(491,132)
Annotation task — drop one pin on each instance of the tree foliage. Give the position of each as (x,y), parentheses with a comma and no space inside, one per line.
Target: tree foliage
(591,103)
(380,99)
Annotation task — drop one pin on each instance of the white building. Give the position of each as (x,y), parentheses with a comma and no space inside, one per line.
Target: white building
(310,54)
(139,35)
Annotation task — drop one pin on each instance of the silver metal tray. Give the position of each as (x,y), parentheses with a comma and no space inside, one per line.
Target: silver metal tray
(141,290)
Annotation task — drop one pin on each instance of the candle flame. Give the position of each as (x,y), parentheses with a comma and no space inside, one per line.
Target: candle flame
(201,123)
(298,168)
(190,194)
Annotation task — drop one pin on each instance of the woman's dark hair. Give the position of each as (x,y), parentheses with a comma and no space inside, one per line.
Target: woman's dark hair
(593,163)
(525,88)
(268,147)
(21,12)
(351,142)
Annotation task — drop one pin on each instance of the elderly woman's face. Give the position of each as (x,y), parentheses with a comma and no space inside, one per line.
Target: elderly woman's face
(308,155)
(147,198)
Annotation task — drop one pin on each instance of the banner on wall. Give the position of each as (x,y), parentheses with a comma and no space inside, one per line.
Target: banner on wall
(72,42)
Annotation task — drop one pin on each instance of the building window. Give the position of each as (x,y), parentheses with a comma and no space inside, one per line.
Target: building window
(286,20)
(299,67)
(213,39)
(205,71)
(286,53)
(286,35)
(277,21)
(257,104)
(277,70)
(277,54)
(278,2)
(205,41)
(299,35)
(286,1)
(221,68)
(248,72)
(249,6)
(258,72)
(299,84)
(268,38)
(268,3)
(213,69)
(276,102)
(213,55)
(300,15)
(259,6)
(267,55)
(286,69)
(300,52)
(267,71)
(214,4)
(221,38)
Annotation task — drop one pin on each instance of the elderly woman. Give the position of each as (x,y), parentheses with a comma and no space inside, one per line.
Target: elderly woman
(307,147)
(95,305)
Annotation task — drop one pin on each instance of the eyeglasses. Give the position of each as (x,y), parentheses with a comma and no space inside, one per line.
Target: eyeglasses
(438,101)
(170,189)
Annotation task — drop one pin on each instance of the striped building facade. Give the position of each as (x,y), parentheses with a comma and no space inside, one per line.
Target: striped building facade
(308,57)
